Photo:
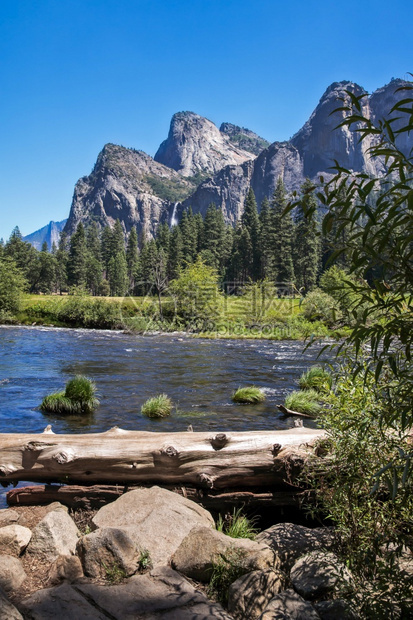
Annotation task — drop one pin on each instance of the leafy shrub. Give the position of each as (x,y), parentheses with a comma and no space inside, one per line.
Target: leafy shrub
(157,407)
(250,395)
(318,305)
(12,284)
(78,397)
(237,525)
(306,401)
(316,378)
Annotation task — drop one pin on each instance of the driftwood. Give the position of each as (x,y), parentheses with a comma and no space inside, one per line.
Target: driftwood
(255,459)
(290,412)
(86,497)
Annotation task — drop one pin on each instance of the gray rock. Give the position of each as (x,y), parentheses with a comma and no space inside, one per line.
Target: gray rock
(332,610)
(106,549)
(8,517)
(14,539)
(12,573)
(288,605)
(56,534)
(317,573)
(62,602)
(56,506)
(7,610)
(156,519)
(162,594)
(65,568)
(249,595)
(197,552)
(244,138)
(195,144)
(290,541)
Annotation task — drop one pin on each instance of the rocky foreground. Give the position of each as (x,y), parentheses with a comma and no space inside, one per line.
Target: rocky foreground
(151,554)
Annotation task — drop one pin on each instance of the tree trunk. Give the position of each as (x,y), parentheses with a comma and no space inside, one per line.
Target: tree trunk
(96,496)
(203,460)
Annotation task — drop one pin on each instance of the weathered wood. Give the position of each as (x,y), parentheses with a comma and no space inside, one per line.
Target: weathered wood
(290,412)
(86,497)
(206,460)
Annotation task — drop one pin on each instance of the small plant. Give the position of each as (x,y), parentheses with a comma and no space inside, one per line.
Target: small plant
(250,395)
(79,397)
(145,561)
(316,378)
(157,407)
(114,573)
(306,401)
(226,568)
(237,525)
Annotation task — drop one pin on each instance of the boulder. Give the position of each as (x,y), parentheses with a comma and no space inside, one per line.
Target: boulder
(14,539)
(317,573)
(290,541)
(288,605)
(7,610)
(56,506)
(197,552)
(62,602)
(162,594)
(107,549)
(12,573)
(56,534)
(249,595)
(156,519)
(331,610)
(65,568)
(8,517)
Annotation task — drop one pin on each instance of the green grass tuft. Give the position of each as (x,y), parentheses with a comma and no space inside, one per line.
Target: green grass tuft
(306,401)
(237,525)
(79,397)
(157,407)
(226,568)
(316,378)
(250,395)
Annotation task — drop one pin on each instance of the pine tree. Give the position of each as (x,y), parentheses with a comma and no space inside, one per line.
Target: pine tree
(62,257)
(266,243)
(283,235)
(118,275)
(189,237)
(175,255)
(251,222)
(76,265)
(47,270)
(94,265)
(214,241)
(132,256)
(307,255)
(107,248)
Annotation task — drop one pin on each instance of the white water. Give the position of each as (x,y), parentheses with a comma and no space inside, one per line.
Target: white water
(174,219)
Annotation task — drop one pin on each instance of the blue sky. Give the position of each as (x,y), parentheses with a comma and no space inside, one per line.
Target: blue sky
(76,74)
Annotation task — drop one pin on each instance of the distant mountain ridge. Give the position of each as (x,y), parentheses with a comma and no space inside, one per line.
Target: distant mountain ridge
(198,164)
(49,233)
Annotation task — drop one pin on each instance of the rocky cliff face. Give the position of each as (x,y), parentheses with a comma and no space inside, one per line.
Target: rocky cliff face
(142,191)
(244,138)
(195,145)
(130,186)
(49,233)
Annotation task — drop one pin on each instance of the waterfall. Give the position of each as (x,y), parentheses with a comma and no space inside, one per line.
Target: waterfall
(174,219)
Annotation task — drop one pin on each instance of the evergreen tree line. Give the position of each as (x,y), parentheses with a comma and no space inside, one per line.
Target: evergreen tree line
(270,245)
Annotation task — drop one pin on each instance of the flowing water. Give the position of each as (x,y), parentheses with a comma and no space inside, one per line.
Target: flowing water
(199,376)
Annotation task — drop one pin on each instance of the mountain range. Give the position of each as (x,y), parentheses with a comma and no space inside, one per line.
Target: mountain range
(199,163)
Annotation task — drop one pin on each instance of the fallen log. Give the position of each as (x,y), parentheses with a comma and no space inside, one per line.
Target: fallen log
(290,412)
(96,496)
(203,460)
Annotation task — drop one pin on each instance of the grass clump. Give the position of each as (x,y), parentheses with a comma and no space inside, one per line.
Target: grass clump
(226,568)
(316,378)
(237,525)
(157,407)
(250,395)
(307,401)
(79,396)
(114,573)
